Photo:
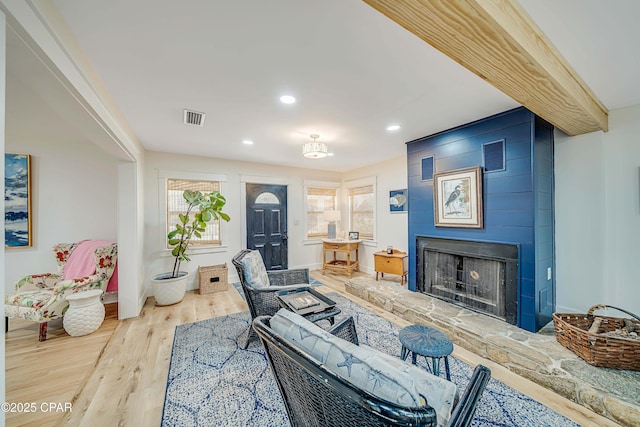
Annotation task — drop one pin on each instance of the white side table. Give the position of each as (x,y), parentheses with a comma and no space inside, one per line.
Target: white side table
(85,313)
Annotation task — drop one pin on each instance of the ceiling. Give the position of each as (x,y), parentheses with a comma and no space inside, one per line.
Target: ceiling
(352,70)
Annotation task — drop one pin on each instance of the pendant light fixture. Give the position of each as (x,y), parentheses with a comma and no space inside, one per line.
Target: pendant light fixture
(315,149)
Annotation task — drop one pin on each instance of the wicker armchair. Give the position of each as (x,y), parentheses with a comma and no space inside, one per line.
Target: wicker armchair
(262,300)
(315,396)
(346,330)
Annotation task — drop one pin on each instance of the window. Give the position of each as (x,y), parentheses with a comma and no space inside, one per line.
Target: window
(319,200)
(177,205)
(361,210)
(267,198)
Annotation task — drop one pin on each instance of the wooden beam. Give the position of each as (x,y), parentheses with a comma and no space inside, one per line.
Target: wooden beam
(498,41)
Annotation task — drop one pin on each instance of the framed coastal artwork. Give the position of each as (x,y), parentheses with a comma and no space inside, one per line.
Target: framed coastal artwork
(457,198)
(398,201)
(17,200)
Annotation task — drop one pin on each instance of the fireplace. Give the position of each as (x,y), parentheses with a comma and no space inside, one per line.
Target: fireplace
(480,276)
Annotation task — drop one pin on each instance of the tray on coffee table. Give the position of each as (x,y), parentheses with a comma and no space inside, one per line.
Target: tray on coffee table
(305,301)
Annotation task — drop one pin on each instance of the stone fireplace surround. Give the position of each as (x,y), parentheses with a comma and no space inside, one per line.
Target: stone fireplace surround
(614,394)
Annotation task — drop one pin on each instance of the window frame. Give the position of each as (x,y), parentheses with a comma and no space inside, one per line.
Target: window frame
(363,182)
(319,185)
(163,177)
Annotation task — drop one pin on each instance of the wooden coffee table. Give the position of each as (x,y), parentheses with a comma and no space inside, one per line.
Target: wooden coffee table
(321,308)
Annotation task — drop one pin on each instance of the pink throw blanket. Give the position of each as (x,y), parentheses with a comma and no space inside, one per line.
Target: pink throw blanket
(81,262)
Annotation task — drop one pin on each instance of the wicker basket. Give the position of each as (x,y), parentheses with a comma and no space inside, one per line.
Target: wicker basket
(213,278)
(572,331)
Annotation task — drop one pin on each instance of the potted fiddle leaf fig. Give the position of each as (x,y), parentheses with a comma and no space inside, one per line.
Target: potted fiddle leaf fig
(169,288)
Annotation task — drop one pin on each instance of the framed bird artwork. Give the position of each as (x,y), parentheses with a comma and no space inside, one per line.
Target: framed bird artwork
(457,198)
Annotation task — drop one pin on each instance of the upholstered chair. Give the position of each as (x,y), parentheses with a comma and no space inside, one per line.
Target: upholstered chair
(260,286)
(42,297)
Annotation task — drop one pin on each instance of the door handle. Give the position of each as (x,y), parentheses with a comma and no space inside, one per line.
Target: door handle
(284,238)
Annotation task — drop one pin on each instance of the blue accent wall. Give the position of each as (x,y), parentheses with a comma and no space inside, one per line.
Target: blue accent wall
(544,232)
(517,201)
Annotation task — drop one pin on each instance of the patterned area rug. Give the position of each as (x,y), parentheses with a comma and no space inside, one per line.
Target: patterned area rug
(213,382)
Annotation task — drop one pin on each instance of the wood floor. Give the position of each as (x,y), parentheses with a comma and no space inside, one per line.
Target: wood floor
(117,375)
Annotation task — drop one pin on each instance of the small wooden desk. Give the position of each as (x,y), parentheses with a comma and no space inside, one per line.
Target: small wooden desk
(395,263)
(346,247)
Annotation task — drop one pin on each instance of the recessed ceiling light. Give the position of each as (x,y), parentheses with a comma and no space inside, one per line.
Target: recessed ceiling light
(329,154)
(393,127)
(247,142)
(287,99)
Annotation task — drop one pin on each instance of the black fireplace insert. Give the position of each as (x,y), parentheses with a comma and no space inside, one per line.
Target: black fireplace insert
(481,276)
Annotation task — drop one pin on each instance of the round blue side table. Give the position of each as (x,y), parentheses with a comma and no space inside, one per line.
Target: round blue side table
(428,342)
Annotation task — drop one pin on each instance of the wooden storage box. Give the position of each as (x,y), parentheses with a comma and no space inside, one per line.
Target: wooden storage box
(213,278)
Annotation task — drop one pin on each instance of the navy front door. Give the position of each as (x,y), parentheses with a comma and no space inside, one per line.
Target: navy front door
(267,223)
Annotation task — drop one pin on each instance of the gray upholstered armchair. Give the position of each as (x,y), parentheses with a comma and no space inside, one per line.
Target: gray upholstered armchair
(260,286)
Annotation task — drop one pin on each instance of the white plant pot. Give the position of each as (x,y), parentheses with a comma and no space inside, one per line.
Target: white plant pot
(168,291)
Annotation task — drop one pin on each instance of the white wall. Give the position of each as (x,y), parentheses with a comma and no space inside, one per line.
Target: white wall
(73,185)
(3,63)
(131,291)
(391,228)
(598,216)
(158,260)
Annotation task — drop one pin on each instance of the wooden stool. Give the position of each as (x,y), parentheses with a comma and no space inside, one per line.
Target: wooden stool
(428,342)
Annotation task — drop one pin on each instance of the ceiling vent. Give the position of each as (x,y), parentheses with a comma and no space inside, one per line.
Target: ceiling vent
(193,118)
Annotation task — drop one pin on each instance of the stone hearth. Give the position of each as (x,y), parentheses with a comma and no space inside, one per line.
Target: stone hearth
(612,393)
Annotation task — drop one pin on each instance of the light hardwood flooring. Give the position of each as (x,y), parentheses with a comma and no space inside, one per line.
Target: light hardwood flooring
(117,375)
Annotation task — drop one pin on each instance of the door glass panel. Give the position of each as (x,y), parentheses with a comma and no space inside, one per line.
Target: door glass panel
(267,198)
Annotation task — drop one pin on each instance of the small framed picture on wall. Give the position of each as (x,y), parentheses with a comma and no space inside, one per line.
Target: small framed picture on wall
(398,201)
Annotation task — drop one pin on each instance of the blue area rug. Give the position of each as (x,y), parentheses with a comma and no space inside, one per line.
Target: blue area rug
(213,382)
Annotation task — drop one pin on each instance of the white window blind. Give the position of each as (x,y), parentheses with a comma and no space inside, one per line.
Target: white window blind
(318,201)
(177,205)
(361,210)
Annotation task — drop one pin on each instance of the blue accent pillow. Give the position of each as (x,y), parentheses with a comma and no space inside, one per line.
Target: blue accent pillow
(255,273)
